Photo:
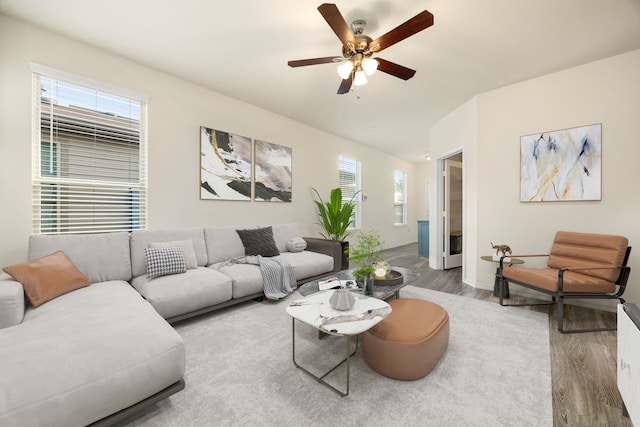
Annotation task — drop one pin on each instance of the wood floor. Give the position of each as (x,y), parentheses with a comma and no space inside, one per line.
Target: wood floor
(583,366)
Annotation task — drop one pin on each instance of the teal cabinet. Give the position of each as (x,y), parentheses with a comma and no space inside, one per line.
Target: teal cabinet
(423,239)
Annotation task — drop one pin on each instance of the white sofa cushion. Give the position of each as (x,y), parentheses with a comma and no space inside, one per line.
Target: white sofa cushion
(247,278)
(183,293)
(86,355)
(101,257)
(223,243)
(307,263)
(11,301)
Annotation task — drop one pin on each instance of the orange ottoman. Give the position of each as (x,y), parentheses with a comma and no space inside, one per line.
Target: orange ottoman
(409,342)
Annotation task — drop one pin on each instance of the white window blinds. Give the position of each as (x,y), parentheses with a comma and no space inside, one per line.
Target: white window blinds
(89,159)
(349,183)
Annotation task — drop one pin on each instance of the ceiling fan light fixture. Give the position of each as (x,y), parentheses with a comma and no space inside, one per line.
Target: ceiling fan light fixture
(359,79)
(344,69)
(369,65)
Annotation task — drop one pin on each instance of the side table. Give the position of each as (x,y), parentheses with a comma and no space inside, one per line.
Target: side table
(496,282)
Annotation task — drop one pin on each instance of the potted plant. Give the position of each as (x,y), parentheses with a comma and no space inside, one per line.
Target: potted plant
(366,252)
(335,219)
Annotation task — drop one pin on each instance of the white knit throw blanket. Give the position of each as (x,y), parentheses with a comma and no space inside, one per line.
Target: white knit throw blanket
(278,279)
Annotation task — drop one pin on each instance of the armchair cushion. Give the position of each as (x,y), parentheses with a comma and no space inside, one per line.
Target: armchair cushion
(547,278)
(580,250)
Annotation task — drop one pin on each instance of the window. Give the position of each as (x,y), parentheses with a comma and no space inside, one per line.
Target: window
(349,182)
(400,197)
(89,157)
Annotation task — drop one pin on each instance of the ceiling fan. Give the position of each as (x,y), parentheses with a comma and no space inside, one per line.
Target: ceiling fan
(356,61)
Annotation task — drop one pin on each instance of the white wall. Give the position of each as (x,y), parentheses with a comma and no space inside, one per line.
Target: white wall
(607,92)
(177,109)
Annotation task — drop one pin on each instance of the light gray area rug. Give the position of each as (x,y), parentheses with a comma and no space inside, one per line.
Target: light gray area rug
(496,372)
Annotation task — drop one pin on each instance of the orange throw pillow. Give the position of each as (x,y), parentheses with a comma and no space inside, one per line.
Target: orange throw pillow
(48,277)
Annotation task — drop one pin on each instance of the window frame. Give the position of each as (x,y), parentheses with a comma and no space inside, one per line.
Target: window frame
(402,204)
(82,199)
(350,166)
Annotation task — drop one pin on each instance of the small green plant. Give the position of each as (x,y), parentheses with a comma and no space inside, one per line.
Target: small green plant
(366,252)
(335,216)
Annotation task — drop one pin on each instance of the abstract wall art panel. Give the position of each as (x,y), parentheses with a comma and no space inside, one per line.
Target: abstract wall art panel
(225,165)
(562,165)
(272,172)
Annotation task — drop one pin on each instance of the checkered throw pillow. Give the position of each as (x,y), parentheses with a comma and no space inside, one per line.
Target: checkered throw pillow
(164,261)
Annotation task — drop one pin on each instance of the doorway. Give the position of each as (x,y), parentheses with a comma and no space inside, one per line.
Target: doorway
(452,211)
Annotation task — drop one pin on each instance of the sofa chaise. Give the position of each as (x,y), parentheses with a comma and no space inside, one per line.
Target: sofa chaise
(98,353)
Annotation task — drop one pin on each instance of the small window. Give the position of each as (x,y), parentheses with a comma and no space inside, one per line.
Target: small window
(89,159)
(349,182)
(400,197)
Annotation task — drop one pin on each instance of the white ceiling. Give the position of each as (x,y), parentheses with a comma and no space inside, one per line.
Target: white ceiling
(241,47)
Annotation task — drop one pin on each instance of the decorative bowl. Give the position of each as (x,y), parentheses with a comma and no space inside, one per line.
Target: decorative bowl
(393,278)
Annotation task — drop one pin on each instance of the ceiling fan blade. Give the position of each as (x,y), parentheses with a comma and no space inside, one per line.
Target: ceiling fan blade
(394,69)
(414,25)
(314,61)
(345,86)
(334,18)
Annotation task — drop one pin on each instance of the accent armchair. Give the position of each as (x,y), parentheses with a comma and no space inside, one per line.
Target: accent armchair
(579,266)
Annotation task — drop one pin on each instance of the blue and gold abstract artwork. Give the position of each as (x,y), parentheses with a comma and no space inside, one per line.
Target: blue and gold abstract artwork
(562,165)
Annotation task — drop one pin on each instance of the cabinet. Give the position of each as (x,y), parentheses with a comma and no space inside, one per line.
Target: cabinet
(423,239)
(629,359)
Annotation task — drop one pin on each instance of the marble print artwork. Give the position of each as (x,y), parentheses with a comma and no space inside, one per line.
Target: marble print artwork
(562,165)
(225,165)
(272,172)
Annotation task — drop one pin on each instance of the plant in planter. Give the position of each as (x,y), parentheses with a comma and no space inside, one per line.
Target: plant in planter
(335,218)
(366,252)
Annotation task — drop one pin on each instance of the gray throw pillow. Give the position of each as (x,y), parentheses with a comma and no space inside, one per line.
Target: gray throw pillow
(164,261)
(258,241)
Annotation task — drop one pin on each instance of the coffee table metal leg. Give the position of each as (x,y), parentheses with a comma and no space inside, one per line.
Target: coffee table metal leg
(320,379)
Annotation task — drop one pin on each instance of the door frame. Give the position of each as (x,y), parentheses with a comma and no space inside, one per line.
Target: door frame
(438,235)
(450,260)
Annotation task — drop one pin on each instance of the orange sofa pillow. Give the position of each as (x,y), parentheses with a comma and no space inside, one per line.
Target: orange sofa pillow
(48,277)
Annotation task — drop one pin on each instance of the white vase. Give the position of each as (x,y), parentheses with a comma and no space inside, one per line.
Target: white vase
(342,299)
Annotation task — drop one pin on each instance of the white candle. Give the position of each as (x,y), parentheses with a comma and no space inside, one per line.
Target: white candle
(380,273)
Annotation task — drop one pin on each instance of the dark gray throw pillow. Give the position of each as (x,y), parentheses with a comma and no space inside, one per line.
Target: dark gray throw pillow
(259,241)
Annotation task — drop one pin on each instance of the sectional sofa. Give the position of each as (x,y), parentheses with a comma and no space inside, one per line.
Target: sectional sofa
(96,354)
